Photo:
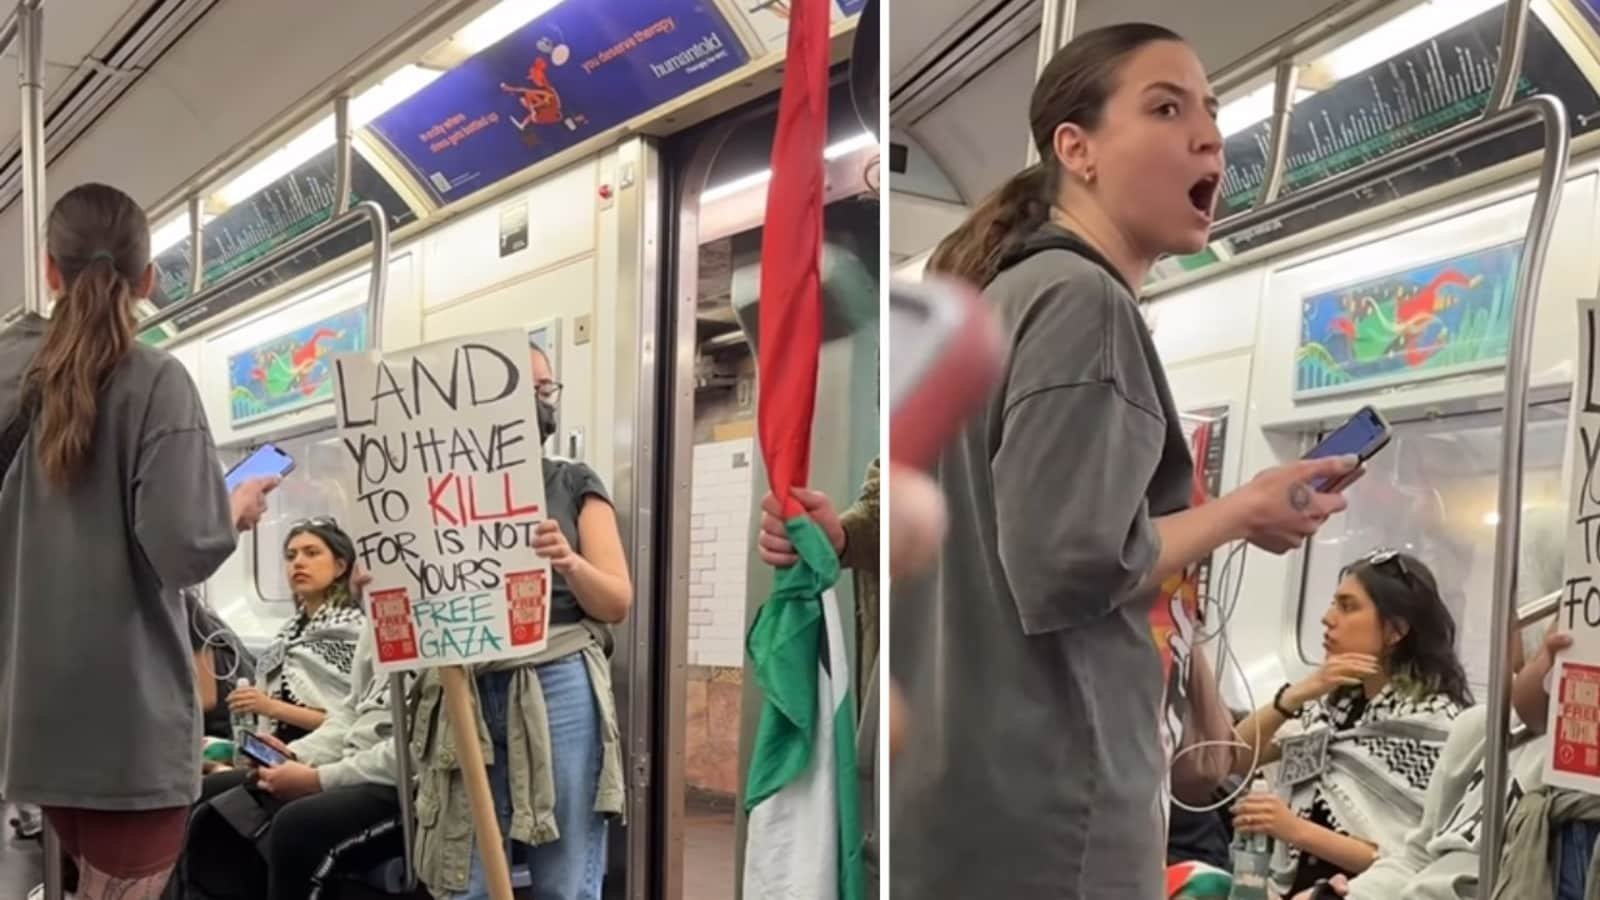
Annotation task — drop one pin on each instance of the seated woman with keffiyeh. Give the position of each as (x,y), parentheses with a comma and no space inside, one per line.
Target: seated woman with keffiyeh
(306,670)
(1360,737)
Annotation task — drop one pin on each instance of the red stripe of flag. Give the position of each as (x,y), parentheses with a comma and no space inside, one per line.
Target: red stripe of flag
(791,257)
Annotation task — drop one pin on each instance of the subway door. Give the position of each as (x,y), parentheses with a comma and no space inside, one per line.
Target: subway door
(628,318)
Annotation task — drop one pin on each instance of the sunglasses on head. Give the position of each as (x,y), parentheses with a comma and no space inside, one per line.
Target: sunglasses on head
(1394,560)
(316,522)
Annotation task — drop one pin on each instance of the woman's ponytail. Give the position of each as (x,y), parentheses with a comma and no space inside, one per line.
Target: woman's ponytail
(1006,218)
(99,242)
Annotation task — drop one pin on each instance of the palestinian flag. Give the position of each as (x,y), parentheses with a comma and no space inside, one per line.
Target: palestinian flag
(803,837)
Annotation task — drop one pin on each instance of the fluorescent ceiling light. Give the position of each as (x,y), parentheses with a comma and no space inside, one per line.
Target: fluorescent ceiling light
(173,231)
(1363,51)
(307,144)
(1410,28)
(371,103)
(389,93)
(832,151)
(503,19)
(168,233)
(1256,106)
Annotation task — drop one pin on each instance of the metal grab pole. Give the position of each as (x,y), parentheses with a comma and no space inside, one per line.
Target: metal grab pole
(1287,79)
(1055,30)
(342,161)
(29,23)
(1546,201)
(402,760)
(30,83)
(1513,40)
(1542,608)
(197,250)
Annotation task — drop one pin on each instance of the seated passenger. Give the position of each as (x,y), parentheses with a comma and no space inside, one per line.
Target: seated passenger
(1381,707)
(332,808)
(1440,858)
(1550,834)
(307,667)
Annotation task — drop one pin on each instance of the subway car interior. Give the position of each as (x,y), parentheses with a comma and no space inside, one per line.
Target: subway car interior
(1370,153)
(323,178)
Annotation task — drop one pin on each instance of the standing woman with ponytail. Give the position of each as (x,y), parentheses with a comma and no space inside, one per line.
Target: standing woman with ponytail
(113,503)
(1037,763)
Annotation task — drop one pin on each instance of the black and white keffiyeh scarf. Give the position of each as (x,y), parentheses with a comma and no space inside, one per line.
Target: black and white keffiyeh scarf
(310,661)
(1377,769)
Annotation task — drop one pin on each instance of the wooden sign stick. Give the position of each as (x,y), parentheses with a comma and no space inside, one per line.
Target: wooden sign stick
(486,828)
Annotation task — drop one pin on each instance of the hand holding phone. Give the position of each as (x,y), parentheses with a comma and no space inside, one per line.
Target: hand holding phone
(262,753)
(1280,507)
(1362,436)
(268,461)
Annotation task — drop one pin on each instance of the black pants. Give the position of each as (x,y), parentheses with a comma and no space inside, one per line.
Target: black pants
(311,841)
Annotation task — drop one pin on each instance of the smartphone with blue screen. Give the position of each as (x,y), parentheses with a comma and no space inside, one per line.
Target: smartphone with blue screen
(262,752)
(1362,437)
(268,461)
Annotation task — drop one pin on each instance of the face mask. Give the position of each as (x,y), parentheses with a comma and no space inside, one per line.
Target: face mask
(547,421)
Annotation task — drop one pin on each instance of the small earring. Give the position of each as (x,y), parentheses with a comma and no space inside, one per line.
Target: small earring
(1088,176)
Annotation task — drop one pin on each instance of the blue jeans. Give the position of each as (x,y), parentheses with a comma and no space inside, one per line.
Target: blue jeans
(573,867)
(1572,846)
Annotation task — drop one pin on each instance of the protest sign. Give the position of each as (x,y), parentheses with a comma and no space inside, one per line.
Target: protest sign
(1573,760)
(444,456)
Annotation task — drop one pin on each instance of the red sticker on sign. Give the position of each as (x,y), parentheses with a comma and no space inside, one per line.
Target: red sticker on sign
(525,602)
(1578,721)
(397,634)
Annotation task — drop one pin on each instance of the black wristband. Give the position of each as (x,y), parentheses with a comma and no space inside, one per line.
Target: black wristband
(1277,702)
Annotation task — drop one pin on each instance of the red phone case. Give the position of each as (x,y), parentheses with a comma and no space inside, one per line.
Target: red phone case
(955,385)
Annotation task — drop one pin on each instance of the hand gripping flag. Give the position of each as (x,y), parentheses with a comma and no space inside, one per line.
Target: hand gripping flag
(803,838)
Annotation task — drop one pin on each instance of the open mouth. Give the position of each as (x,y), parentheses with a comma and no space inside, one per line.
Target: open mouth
(1203,194)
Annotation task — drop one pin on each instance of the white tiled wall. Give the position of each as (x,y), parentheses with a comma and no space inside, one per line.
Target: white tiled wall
(719,552)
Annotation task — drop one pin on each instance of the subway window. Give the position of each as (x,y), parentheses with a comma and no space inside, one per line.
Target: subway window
(316,488)
(1433,493)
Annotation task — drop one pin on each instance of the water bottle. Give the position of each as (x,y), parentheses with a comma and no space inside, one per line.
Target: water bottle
(1252,859)
(243,723)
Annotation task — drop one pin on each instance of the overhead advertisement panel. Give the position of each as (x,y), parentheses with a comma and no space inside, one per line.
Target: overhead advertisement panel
(572,73)
(1431,87)
(1591,11)
(1435,85)
(282,211)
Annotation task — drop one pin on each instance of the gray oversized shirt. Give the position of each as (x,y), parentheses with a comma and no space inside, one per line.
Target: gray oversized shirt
(98,708)
(1033,767)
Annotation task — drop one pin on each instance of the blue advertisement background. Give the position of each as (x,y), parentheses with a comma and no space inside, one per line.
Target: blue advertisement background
(584,67)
